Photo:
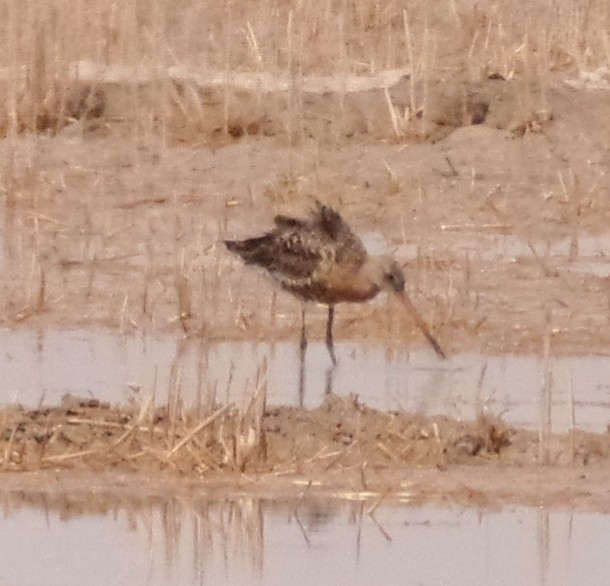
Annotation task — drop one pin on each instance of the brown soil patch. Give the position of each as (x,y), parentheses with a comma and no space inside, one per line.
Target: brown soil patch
(341,448)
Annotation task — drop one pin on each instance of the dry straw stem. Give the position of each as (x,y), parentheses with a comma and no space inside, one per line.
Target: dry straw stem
(9,447)
(112,425)
(58,458)
(134,428)
(248,442)
(183,290)
(189,436)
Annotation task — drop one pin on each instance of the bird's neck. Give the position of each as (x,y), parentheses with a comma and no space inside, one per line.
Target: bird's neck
(360,285)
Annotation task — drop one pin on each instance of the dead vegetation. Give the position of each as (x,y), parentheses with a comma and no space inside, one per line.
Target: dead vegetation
(341,434)
(182,75)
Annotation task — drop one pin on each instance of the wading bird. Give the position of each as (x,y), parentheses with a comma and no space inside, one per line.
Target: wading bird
(320,259)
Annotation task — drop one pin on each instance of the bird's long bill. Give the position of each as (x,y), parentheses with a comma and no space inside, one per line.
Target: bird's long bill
(420,323)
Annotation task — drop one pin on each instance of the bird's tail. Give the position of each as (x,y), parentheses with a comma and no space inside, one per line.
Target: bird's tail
(330,220)
(251,250)
(240,247)
(235,246)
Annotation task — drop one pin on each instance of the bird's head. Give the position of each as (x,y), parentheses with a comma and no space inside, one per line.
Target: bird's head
(389,275)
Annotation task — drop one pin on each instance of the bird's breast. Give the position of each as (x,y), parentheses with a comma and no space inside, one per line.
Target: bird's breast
(332,290)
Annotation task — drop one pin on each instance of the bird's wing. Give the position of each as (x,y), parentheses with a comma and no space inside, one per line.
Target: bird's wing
(282,221)
(288,252)
(298,253)
(348,248)
(302,253)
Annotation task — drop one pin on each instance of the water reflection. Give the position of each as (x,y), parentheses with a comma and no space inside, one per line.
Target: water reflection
(43,366)
(195,540)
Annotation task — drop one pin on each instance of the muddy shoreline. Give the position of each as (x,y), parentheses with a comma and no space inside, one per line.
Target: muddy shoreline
(484,487)
(342,448)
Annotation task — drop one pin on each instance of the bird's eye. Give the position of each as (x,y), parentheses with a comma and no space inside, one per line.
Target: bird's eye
(395,280)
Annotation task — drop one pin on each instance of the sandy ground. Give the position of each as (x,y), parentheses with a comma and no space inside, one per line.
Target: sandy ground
(490,198)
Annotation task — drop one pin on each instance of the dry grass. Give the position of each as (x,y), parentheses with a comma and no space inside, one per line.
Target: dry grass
(43,41)
(341,435)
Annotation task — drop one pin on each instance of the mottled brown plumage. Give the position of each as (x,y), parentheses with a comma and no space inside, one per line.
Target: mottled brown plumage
(320,259)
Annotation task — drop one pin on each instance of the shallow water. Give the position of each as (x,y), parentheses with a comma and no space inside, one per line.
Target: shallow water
(252,541)
(582,252)
(40,367)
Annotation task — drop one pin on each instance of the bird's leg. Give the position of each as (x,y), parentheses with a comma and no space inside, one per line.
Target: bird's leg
(302,348)
(328,387)
(303,342)
(329,333)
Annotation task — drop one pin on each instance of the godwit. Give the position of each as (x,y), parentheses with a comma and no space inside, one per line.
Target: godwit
(320,259)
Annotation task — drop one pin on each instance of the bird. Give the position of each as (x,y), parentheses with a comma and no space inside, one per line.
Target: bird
(320,259)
